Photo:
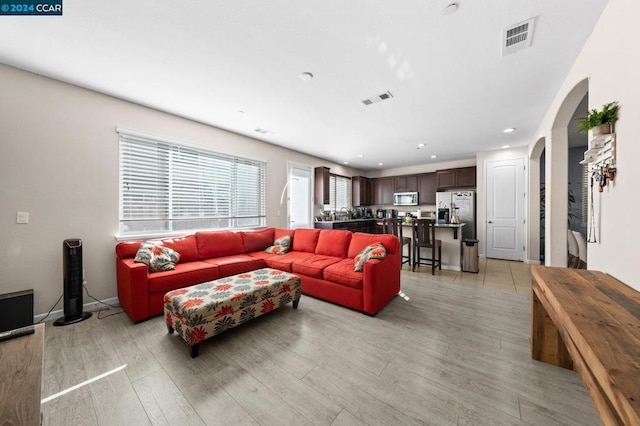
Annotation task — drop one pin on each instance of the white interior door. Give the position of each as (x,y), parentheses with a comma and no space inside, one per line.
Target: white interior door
(299,196)
(505,209)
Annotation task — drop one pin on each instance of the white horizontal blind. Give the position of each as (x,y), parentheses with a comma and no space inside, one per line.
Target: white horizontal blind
(166,187)
(586,184)
(343,192)
(339,193)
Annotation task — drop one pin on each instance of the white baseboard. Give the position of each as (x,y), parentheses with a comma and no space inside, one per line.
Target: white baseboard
(532,262)
(87,307)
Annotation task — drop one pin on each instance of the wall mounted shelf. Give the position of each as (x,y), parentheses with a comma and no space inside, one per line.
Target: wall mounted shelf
(601,152)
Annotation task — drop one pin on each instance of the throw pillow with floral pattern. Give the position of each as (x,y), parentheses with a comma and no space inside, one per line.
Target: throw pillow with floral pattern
(157,257)
(372,251)
(280,246)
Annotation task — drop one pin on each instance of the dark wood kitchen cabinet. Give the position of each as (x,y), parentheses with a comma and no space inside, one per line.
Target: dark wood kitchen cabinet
(464,177)
(383,191)
(322,190)
(427,188)
(361,191)
(407,183)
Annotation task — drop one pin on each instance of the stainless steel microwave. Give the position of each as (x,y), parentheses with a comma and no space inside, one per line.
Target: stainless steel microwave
(405,199)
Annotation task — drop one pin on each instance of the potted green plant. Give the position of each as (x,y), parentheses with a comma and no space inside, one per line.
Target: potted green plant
(600,122)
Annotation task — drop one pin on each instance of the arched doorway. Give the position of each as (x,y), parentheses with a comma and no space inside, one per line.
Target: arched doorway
(556,151)
(535,241)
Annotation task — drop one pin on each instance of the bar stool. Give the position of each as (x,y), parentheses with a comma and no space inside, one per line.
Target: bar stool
(424,236)
(394,227)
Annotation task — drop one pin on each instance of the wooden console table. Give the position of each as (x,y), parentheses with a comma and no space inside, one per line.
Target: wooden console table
(589,321)
(21,378)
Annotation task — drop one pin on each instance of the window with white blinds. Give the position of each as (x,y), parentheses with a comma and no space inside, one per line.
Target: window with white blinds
(586,184)
(166,187)
(339,193)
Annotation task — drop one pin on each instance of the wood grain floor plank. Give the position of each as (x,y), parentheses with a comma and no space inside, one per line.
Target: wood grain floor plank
(163,401)
(454,353)
(78,413)
(345,418)
(360,403)
(194,378)
(265,406)
(274,375)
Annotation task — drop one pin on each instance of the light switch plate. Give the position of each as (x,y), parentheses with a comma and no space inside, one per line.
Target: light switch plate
(22,217)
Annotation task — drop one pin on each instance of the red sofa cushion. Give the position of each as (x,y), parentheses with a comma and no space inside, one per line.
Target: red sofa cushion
(333,242)
(127,249)
(236,264)
(313,265)
(284,261)
(305,240)
(218,243)
(360,240)
(262,254)
(342,273)
(185,246)
(257,240)
(281,232)
(184,275)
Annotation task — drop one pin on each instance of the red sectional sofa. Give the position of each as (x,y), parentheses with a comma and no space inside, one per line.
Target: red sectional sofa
(323,259)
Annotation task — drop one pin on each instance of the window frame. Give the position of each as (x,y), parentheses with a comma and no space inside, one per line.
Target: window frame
(181,163)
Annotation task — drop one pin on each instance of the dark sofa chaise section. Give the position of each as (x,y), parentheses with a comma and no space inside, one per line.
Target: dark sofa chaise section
(323,259)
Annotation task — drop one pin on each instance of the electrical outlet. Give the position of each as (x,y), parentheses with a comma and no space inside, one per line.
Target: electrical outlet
(22,217)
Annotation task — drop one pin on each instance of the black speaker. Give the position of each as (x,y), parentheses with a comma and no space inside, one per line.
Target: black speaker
(72,276)
(16,310)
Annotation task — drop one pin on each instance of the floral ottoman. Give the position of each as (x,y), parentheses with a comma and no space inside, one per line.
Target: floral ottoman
(204,310)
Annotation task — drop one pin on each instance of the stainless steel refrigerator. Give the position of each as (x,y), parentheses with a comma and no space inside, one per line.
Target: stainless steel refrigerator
(462,203)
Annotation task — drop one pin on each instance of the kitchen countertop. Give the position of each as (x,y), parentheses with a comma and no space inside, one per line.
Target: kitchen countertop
(343,220)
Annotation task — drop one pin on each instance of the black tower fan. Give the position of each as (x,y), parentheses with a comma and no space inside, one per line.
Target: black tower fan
(72,271)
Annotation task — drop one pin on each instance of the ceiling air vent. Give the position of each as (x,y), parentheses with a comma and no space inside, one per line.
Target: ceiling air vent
(517,37)
(378,98)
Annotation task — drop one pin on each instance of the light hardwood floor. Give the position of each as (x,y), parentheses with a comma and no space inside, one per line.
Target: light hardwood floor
(455,353)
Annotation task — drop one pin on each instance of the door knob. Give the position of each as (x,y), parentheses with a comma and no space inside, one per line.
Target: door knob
(490,221)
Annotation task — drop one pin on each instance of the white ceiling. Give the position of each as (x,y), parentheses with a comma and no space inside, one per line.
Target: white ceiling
(208,60)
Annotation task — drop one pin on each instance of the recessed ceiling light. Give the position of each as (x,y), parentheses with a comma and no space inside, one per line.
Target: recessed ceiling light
(360,155)
(434,156)
(306,76)
(450,9)
(421,145)
(505,146)
(509,130)
(380,164)
(345,162)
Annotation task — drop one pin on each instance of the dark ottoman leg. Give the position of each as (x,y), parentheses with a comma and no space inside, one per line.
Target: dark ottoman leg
(295,303)
(195,350)
(169,329)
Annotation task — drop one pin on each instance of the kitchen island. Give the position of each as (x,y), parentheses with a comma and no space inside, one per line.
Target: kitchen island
(353,225)
(450,234)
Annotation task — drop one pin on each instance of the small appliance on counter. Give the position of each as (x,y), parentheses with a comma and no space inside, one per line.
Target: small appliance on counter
(380,213)
(443,215)
(391,213)
(363,213)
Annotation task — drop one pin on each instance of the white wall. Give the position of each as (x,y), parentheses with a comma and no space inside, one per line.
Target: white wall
(611,63)
(59,162)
